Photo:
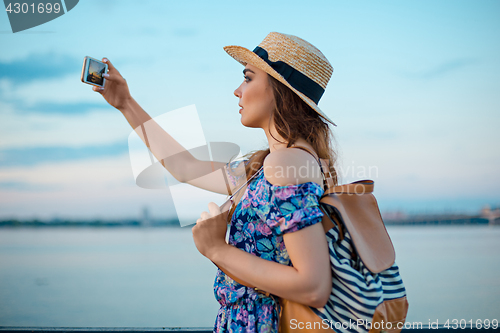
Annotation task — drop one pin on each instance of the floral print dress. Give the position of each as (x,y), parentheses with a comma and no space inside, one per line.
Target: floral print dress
(261,218)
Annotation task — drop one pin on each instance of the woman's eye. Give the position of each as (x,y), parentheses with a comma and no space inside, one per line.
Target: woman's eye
(247,79)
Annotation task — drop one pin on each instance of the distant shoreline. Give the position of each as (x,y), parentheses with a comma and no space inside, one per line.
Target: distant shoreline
(444,219)
(88,223)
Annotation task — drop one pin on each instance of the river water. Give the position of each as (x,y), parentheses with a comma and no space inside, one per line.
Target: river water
(154,277)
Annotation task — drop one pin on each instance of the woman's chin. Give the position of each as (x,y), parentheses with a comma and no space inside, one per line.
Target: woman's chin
(249,124)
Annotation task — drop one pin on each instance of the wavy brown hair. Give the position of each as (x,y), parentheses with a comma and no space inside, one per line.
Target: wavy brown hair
(294,119)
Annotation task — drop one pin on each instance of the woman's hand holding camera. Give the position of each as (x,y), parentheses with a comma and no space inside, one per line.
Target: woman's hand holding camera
(209,233)
(115,90)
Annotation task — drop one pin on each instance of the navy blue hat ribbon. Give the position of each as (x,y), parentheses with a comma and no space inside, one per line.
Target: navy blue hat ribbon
(295,78)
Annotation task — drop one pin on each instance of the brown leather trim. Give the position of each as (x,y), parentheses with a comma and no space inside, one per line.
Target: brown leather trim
(392,311)
(359,187)
(299,318)
(328,221)
(327,176)
(361,217)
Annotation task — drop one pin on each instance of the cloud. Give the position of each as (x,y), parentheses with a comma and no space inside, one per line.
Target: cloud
(30,156)
(38,67)
(63,109)
(56,90)
(103,171)
(185,32)
(104,186)
(97,127)
(443,69)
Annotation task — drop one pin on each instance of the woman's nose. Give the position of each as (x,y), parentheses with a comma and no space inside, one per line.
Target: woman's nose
(237,92)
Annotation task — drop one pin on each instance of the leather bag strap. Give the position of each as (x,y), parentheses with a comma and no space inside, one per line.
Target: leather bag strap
(324,166)
(359,214)
(358,187)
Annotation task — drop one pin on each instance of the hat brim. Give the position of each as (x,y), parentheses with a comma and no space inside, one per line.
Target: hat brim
(244,56)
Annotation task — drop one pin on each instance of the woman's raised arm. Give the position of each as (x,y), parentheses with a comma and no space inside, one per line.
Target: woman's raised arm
(173,156)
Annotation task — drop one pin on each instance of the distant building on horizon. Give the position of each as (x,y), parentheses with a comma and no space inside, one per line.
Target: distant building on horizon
(145,220)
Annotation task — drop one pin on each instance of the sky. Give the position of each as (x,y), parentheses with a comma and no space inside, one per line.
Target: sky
(414,95)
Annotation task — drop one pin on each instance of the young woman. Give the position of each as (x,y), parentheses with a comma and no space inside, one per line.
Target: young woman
(276,243)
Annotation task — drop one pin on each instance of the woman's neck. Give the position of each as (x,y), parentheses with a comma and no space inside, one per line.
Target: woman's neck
(277,142)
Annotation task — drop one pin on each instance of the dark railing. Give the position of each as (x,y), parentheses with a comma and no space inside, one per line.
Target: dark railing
(6,329)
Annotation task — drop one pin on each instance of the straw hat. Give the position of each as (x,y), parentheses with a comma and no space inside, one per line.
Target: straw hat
(292,61)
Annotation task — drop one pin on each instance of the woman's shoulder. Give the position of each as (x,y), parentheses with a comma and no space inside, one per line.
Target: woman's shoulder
(292,166)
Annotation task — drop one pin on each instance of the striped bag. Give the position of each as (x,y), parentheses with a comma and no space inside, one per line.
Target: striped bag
(368,294)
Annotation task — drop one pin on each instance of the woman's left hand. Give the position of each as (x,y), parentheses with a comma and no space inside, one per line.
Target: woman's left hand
(209,233)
